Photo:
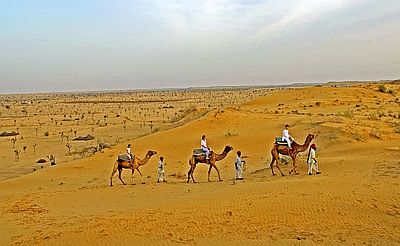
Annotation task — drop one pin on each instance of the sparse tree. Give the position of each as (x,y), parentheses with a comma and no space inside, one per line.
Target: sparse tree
(16,152)
(34,148)
(69,146)
(52,159)
(13,141)
(105,120)
(24,148)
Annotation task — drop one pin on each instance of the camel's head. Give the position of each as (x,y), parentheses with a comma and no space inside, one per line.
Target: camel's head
(228,148)
(310,137)
(151,152)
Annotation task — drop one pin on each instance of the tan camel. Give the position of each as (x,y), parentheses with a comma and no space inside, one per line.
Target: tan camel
(135,164)
(202,159)
(284,150)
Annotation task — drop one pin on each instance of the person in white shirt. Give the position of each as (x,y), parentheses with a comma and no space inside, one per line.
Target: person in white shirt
(312,161)
(239,166)
(286,137)
(161,171)
(204,146)
(129,153)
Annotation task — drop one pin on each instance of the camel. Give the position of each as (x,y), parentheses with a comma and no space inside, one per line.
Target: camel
(284,150)
(211,161)
(135,164)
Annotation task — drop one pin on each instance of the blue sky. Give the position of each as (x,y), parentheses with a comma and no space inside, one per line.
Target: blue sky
(77,45)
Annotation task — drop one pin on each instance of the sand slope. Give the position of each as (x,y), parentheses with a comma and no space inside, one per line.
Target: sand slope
(354,201)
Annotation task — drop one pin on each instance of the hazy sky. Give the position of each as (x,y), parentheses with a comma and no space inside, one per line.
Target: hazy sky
(71,45)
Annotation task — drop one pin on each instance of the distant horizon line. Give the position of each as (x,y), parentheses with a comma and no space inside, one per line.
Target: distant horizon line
(221,87)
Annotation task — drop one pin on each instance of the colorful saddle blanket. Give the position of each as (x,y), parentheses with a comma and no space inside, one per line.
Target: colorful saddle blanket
(279,141)
(123,157)
(198,152)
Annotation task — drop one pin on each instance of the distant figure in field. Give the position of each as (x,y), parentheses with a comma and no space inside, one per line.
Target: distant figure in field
(161,170)
(239,166)
(129,153)
(286,137)
(312,161)
(204,146)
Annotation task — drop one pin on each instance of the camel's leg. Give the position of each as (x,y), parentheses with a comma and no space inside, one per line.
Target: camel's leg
(194,167)
(272,166)
(115,167)
(190,170)
(209,172)
(219,176)
(294,165)
(275,159)
(141,176)
(277,166)
(189,173)
(119,175)
(133,172)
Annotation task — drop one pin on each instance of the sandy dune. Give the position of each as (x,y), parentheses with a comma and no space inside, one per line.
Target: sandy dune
(355,200)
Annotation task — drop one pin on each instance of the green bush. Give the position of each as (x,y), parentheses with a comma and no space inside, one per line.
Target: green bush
(382,88)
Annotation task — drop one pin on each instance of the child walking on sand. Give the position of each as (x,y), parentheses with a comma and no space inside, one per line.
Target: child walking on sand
(161,171)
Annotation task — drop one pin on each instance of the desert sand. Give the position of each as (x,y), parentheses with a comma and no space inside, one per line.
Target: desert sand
(354,201)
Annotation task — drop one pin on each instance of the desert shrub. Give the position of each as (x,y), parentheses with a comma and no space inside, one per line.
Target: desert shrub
(381,114)
(382,88)
(373,116)
(348,113)
(358,137)
(231,134)
(335,119)
(317,103)
(46,133)
(397,128)
(333,135)
(375,133)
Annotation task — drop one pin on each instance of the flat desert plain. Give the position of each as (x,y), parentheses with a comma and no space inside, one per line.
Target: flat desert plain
(356,199)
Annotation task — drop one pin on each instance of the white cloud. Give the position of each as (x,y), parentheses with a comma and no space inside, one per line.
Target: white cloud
(224,20)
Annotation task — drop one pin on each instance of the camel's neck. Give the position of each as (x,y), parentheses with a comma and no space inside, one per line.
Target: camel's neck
(221,156)
(304,146)
(144,160)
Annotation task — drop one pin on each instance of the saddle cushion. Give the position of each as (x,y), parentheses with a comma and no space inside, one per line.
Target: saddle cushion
(198,152)
(123,157)
(279,141)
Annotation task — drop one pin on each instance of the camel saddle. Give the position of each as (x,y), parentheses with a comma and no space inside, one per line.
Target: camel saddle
(124,157)
(279,141)
(199,152)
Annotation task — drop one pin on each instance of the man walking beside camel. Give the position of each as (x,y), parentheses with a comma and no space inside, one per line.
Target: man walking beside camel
(312,161)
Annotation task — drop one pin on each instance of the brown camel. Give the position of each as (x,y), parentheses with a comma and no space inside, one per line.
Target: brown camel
(284,150)
(134,164)
(211,161)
